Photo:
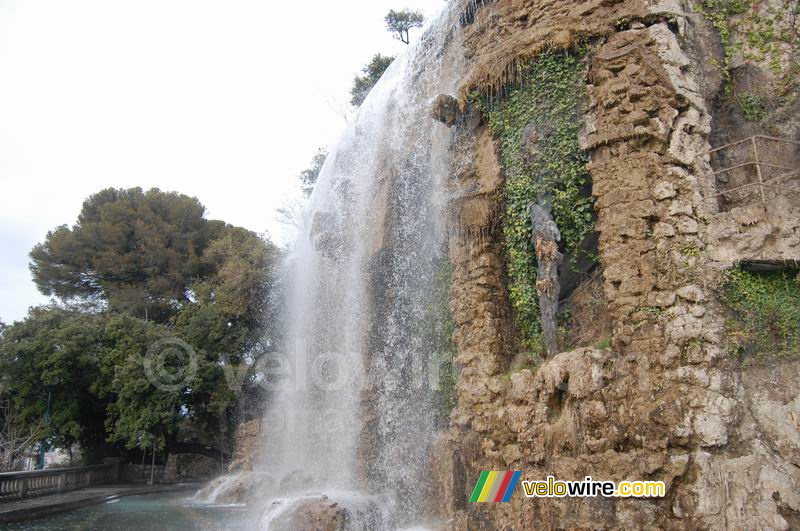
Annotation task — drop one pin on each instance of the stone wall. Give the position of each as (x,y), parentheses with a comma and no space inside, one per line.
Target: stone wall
(666,401)
(190,467)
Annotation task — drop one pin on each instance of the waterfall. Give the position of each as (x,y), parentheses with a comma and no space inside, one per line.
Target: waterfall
(356,416)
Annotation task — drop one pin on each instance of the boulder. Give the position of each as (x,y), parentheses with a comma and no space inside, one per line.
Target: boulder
(445,109)
(237,488)
(322,514)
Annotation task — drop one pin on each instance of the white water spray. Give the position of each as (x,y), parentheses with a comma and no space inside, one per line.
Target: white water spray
(358,414)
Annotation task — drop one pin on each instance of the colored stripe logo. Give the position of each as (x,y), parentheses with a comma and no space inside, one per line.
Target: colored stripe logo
(495,486)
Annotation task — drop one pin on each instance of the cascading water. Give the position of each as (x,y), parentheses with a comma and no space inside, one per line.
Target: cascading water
(356,418)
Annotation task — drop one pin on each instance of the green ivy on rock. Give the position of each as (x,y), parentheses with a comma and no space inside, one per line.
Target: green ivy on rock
(757,33)
(547,98)
(764,312)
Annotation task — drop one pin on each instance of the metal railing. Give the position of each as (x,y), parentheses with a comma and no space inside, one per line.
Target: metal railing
(19,485)
(754,159)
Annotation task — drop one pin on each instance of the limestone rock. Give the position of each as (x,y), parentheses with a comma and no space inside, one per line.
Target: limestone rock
(691,293)
(243,487)
(666,400)
(322,514)
(445,109)
(247,445)
(664,190)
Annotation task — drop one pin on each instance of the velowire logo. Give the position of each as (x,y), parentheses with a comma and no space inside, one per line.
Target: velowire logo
(495,486)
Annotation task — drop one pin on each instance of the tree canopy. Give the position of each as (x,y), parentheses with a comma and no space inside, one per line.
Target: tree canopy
(148,253)
(400,22)
(135,251)
(144,280)
(372,72)
(55,356)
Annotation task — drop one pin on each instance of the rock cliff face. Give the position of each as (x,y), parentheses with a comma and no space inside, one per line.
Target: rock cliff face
(248,441)
(666,399)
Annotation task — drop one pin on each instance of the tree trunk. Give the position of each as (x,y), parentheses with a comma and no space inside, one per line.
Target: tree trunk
(153,466)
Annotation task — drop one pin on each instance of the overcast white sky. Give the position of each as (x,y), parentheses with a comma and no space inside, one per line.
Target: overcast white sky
(224,100)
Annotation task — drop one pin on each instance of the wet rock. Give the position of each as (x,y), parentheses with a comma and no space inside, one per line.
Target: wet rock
(545,240)
(322,514)
(529,144)
(247,444)
(244,487)
(445,109)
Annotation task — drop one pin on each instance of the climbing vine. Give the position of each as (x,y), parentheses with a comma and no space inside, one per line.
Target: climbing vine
(760,33)
(764,311)
(545,100)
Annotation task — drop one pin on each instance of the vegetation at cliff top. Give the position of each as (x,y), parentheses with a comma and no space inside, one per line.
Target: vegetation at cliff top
(371,73)
(547,99)
(138,268)
(400,22)
(764,312)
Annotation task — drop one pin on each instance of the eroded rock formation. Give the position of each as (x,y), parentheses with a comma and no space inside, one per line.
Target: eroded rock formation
(546,237)
(248,442)
(666,400)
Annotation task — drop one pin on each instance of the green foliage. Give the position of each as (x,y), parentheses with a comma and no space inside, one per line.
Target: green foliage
(547,97)
(372,72)
(691,251)
(94,367)
(142,253)
(309,176)
(603,343)
(134,250)
(59,353)
(758,32)
(764,312)
(753,106)
(138,414)
(720,13)
(400,22)
(241,262)
(158,271)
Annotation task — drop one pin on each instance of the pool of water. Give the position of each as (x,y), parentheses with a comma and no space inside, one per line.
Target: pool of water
(149,511)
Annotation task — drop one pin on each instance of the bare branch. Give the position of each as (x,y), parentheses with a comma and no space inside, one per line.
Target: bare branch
(15,436)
